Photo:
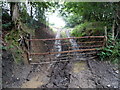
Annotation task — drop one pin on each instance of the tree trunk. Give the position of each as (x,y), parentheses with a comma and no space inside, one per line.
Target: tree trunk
(11,9)
(15,13)
(31,12)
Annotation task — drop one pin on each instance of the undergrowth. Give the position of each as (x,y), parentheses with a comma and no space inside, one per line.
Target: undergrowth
(88,29)
(111,52)
(13,45)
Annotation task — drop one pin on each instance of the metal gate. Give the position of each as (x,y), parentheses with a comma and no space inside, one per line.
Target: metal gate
(43,51)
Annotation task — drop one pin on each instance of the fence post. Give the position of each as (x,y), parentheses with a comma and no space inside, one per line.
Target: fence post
(113,29)
(105,40)
(26,53)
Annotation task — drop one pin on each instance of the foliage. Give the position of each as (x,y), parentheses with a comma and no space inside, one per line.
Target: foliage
(76,13)
(36,14)
(111,52)
(88,28)
(12,39)
(91,11)
(81,16)
(73,20)
(6,20)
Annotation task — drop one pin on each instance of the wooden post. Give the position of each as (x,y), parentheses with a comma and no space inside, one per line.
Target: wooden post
(113,29)
(105,40)
(26,55)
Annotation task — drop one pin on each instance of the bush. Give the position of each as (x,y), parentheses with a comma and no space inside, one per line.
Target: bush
(111,52)
(88,29)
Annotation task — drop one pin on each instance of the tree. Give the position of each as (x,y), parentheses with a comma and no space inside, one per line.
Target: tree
(105,12)
(92,11)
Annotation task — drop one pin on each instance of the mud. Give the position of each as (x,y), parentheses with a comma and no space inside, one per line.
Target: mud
(91,74)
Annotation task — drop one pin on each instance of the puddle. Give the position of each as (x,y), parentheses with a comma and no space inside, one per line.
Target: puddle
(79,66)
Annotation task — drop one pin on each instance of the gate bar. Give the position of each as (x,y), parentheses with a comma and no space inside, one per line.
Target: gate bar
(70,43)
(66,38)
(62,61)
(62,52)
(91,46)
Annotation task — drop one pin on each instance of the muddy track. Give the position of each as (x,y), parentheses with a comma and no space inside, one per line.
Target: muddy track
(60,72)
(60,76)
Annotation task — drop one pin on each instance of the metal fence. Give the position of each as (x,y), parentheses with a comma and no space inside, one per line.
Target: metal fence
(43,50)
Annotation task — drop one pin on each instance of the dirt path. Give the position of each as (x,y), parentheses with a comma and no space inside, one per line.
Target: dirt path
(59,75)
(80,73)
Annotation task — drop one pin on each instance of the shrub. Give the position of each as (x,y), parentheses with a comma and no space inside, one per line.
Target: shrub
(88,29)
(111,51)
